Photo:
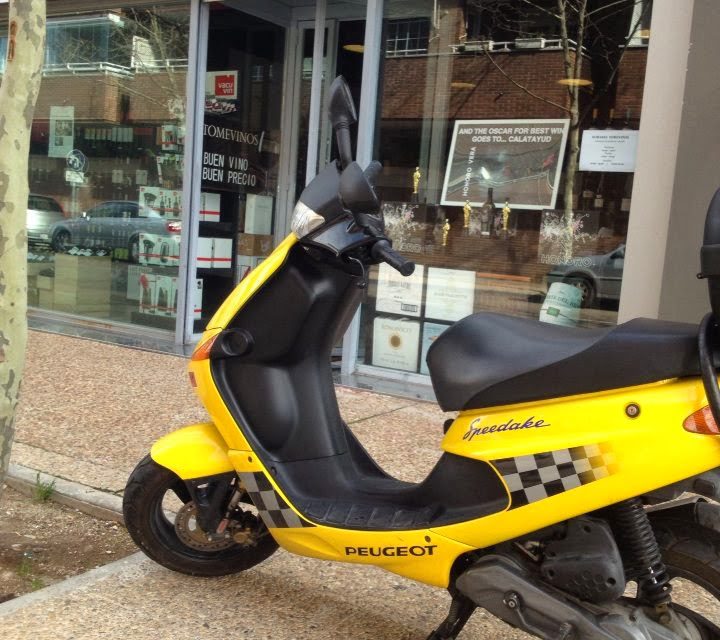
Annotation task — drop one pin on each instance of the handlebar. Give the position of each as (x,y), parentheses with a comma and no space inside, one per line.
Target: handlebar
(382,251)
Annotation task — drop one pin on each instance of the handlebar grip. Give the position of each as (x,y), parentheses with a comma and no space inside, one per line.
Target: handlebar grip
(383,252)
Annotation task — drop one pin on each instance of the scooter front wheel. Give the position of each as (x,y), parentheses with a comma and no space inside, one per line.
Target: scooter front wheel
(170,535)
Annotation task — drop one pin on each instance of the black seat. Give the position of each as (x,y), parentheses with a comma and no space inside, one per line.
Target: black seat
(489,359)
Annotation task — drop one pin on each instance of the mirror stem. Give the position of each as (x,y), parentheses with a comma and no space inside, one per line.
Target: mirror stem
(344,142)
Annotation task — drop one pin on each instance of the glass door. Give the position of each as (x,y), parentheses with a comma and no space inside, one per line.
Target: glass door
(240,158)
(343,41)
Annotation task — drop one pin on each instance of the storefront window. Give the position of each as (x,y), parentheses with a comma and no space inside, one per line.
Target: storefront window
(508,139)
(241,151)
(106,165)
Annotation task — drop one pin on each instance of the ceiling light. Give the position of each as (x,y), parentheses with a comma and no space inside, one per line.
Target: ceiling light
(462,85)
(354,48)
(575,82)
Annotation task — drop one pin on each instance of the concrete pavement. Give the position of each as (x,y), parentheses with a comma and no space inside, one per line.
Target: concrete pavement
(90,411)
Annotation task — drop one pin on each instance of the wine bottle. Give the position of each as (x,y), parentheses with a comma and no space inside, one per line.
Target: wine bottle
(487,214)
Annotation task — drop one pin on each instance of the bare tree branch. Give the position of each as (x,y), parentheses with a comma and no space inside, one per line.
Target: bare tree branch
(523,88)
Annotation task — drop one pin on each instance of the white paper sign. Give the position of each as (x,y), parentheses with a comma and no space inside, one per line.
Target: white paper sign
(431,331)
(608,150)
(399,294)
(62,131)
(396,343)
(450,294)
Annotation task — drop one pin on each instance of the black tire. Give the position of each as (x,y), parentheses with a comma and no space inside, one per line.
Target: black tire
(156,536)
(691,552)
(61,241)
(586,287)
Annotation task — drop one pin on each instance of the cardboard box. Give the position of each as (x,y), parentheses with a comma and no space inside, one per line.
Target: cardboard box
(133,280)
(33,297)
(258,214)
(169,251)
(222,253)
(82,284)
(396,343)
(148,293)
(45,282)
(165,296)
(197,299)
(162,250)
(209,207)
(245,264)
(204,259)
(253,244)
(46,298)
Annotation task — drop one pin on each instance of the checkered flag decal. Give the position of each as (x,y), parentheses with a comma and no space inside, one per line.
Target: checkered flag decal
(542,475)
(274,511)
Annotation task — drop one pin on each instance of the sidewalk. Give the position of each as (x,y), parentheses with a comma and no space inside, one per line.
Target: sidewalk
(90,411)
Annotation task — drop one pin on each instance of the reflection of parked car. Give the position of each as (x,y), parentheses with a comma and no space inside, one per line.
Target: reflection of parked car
(42,213)
(597,277)
(112,225)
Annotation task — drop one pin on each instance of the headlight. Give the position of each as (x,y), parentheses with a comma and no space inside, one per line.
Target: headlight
(304,220)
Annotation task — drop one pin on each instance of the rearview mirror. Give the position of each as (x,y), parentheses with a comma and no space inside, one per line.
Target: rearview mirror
(341,107)
(341,110)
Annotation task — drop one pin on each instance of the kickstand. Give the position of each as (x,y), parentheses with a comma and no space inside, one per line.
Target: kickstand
(461,609)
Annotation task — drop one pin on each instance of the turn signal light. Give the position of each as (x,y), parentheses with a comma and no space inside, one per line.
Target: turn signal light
(702,422)
(202,351)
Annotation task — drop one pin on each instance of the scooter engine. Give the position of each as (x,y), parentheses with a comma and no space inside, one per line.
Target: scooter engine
(503,587)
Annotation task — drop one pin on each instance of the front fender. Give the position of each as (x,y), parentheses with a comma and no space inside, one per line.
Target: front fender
(195,451)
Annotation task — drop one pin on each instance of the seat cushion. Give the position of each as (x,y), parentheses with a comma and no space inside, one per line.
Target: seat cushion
(488,359)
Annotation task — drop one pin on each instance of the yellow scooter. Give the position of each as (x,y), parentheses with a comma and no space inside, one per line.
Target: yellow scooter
(556,503)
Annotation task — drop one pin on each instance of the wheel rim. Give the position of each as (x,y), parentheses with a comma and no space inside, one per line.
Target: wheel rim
(134,250)
(707,629)
(585,289)
(696,593)
(177,526)
(62,241)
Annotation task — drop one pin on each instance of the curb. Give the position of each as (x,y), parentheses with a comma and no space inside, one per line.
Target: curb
(71,584)
(99,504)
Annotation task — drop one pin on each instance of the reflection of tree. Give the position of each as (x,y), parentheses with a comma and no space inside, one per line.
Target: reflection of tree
(142,52)
(592,33)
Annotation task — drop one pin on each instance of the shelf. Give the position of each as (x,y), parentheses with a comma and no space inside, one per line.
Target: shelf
(217,228)
(153,320)
(203,272)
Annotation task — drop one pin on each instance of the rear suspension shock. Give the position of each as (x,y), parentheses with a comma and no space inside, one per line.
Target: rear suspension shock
(641,554)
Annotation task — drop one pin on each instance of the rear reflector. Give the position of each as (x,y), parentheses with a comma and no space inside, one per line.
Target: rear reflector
(202,351)
(702,422)
(193,382)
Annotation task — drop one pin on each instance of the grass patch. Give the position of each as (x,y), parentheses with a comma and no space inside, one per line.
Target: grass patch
(43,491)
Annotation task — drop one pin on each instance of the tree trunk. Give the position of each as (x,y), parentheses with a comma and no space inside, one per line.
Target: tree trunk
(18,93)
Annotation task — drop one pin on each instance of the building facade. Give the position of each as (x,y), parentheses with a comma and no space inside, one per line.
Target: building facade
(525,152)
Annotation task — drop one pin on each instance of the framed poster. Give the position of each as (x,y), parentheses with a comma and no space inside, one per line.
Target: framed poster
(520,160)
(396,343)
(399,294)
(450,294)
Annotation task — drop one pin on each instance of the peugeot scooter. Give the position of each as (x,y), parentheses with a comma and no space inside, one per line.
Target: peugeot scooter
(557,502)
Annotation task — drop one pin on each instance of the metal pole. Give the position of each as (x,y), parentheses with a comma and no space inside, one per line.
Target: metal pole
(316,91)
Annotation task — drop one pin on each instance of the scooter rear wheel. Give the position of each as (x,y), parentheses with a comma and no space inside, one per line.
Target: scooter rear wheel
(152,528)
(691,554)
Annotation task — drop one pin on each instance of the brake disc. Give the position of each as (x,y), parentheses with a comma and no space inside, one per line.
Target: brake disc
(190,533)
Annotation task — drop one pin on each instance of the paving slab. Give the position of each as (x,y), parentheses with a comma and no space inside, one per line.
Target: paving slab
(287,597)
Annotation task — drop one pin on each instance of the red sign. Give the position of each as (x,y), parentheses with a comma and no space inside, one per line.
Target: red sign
(225,86)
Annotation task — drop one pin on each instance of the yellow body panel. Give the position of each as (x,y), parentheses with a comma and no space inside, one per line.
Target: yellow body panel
(195,451)
(639,454)
(649,451)
(251,283)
